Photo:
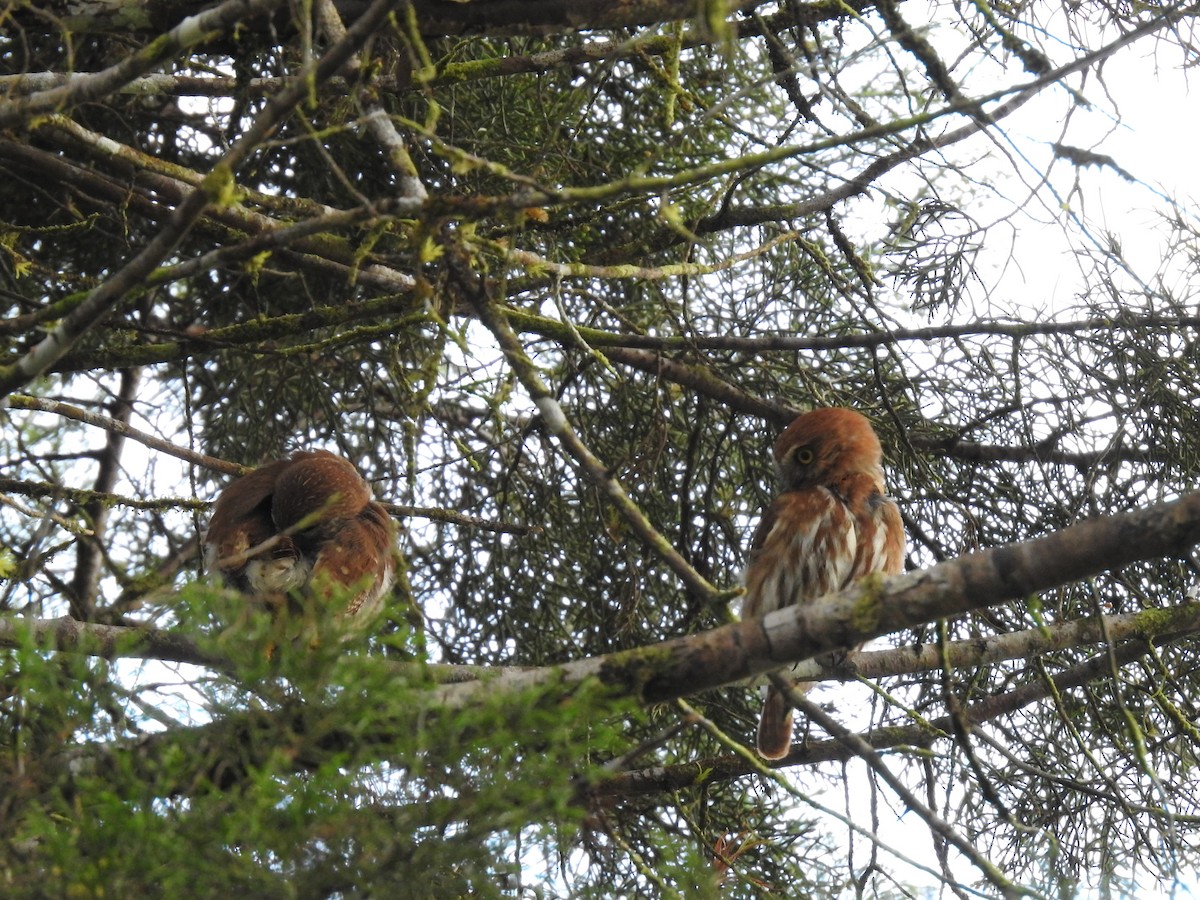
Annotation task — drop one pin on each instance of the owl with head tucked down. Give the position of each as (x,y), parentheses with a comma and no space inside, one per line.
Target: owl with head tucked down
(304,527)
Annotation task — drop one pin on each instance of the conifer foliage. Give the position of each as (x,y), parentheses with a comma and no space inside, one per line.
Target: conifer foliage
(553,275)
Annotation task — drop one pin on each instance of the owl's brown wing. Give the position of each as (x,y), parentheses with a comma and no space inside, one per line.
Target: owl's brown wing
(881,538)
(241,520)
(804,548)
(325,537)
(359,554)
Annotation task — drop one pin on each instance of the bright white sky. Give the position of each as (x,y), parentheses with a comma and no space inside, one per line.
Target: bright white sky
(1145,118)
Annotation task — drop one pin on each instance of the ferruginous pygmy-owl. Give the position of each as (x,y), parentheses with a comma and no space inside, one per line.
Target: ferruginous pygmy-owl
(831,525)
(318,533)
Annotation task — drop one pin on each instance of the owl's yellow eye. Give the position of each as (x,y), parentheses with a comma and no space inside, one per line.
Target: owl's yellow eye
(804,456)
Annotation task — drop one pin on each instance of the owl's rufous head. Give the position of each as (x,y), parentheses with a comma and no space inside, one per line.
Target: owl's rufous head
(827,446)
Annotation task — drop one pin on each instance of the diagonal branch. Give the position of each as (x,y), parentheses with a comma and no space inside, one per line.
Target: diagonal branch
(877,606)
(704,381)
(379,124)
(230,748)
(492,316)
(124,430)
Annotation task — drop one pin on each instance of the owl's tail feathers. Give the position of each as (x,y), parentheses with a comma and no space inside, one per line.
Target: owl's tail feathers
(775,726)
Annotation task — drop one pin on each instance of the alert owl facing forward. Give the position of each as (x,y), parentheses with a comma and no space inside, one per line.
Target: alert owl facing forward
(831,525)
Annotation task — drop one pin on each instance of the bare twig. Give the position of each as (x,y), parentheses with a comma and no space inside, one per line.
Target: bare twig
(90,552)
(937,825)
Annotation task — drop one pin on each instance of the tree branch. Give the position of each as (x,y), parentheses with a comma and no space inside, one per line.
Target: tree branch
(228,747)
(491,315)
(70,635)
(877,606)
(710,770)
(82,496)
(125,430)
(448,70)
(90,550)
(193,30)
(790,342)
(437,18)
(688,665)
(1150,625)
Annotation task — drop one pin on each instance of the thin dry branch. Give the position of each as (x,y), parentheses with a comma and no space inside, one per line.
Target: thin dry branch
(665,779)
(91,552)
(1147,625)
(532,323)
(119,427)
(1008,100)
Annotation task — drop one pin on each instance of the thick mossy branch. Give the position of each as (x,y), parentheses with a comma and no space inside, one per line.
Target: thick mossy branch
(736,652)
(184,35)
